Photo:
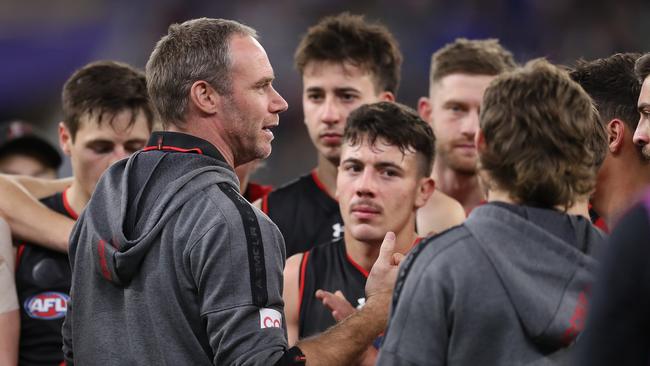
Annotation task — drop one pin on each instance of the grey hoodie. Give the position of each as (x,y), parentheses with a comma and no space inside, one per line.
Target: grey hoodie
(508,287)
(172,267)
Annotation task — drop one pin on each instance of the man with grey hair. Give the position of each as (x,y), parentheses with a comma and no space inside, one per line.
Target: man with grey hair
(170,264)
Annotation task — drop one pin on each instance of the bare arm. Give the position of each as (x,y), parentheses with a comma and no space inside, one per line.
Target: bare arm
(9,315)
(9,336)
(39,187)
(31,220)
(291,296)
(341,309)
(346,341)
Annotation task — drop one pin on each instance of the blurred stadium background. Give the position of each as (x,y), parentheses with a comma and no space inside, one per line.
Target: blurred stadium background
(42,42)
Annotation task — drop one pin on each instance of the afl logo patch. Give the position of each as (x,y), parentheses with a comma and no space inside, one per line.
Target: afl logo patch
(270,318)
(47,305)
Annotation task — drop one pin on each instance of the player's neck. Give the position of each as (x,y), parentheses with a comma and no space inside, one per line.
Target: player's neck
(464,188)
(365,253)
(620,189)
(77,197)
(212,135)
(580,206)
(326,172)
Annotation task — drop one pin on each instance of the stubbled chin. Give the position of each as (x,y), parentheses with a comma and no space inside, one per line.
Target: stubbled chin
(364,232)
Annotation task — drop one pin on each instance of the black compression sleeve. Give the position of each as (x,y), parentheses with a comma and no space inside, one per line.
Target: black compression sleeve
(292,357)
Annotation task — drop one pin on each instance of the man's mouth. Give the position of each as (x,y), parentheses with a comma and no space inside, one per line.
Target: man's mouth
(267,129)
(331,138)
(365,210)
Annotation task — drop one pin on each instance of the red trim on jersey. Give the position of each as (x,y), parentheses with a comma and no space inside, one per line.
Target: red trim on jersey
(66,205)
(599,222)
(255,191)
(173,148)
(356,265)
(19,255)
(265,204)
(602,225)
(416,242)
(301,279)
(320,184)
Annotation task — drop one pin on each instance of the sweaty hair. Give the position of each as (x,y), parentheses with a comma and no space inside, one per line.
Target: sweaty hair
(612,85)
(472,57)
(642,67)
(349,38)
(543,138)
(104,89)
(197,49)
(396,124)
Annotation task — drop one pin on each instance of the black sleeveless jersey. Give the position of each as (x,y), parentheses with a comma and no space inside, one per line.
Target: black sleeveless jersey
(43,285)
(305,214)
(327,267)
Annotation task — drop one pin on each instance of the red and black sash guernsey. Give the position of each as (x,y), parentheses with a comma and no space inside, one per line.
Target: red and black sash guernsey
(43,285)
(328,267)
(305,214)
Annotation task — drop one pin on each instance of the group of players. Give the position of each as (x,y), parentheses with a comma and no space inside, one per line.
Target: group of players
(171,265)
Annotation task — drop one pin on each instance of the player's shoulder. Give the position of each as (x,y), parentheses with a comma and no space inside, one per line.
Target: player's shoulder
(451,245)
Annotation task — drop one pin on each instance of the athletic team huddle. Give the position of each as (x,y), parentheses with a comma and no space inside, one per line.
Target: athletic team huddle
(468,231)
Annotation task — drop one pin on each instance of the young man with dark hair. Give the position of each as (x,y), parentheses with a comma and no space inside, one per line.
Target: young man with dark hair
(384,177)
(460,72)
(625,173)
(510,285)
(107,116)
(169,228)
(344,62)
(642,133)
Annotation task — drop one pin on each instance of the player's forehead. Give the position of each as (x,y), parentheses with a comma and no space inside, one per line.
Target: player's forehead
(249,59)
(460,86)
(123,125)
(337,74)
(645,91)
(378,152)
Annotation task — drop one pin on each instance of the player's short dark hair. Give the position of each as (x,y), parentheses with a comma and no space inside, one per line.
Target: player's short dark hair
(613,86)
(349,38)
(472,57)
(642,67)
(104,89)
(544,142)
(398,125)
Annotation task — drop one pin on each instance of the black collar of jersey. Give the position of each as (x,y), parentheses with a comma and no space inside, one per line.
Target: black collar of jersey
(182,142)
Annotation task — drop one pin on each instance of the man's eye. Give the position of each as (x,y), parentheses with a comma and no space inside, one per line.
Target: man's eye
(131,148)
(456,108)
(352,168)
(348,97)
(314,97)
(101,148)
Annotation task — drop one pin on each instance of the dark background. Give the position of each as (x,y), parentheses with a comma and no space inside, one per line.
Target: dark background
(42,42)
